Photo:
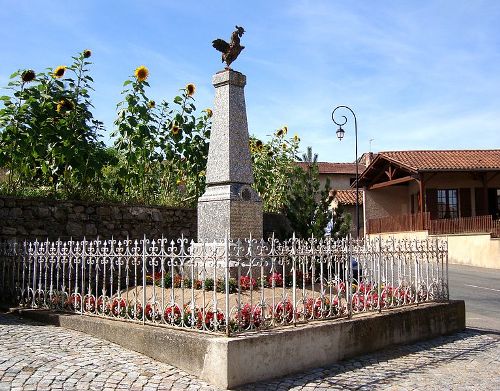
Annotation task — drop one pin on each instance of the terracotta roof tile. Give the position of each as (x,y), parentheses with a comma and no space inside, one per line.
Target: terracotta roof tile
(337,168)
(347,197)
(446,160)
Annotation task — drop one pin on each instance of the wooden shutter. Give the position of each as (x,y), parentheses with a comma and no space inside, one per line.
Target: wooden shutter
(465,204)
(431,202)
(480,201)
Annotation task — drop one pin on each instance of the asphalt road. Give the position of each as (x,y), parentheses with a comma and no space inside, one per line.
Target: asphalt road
(480,288)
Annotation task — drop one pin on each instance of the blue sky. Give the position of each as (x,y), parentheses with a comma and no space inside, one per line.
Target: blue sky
(418,74)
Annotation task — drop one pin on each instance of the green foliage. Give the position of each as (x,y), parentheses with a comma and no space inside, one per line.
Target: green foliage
(341,223)
(162,151)
(274,167)
(307,209)
(49,145)
(48,136)
(49,140)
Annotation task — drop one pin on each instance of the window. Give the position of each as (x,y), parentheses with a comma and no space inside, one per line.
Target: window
(447,203)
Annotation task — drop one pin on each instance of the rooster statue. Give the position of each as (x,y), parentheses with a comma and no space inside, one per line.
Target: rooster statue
(230,51)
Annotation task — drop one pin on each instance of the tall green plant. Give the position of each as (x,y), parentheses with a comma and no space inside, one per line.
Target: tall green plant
(274,167)
(48,136)
(307,209)
(163,150)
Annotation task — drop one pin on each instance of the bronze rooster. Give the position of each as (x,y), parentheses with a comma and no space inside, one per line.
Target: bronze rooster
(230,51)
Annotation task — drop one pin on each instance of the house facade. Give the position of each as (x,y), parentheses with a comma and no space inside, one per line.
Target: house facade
(453,192)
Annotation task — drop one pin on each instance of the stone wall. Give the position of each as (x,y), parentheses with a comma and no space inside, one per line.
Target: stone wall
(44,218)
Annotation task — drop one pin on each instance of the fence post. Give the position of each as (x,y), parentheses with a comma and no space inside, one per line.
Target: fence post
(226,277)
(294,282)
(447,278)
(379,279)
(144,283)
(349,277)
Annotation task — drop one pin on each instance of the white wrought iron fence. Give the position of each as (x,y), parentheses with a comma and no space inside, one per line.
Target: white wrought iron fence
(228,286)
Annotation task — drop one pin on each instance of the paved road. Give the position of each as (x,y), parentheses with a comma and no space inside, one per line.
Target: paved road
(34,356)
(480,288)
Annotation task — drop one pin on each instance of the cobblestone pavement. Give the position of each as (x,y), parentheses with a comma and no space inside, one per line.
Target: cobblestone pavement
(34,356)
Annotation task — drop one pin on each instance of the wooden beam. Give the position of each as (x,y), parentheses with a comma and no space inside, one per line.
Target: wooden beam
(421,187)
(380,173)
(390,172)
(493,176)
(392,182)
(432,175)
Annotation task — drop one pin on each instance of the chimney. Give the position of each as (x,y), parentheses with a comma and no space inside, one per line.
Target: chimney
(368,158)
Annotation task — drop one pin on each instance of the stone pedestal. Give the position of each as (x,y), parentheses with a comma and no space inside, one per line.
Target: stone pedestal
(229,203)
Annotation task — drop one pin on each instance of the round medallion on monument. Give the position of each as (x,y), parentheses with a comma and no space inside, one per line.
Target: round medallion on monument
(246,194)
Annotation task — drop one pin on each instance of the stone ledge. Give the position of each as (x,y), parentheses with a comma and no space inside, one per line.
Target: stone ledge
(229,362)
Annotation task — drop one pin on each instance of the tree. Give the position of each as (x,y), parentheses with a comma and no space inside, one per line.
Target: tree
(307,209)
(340,223)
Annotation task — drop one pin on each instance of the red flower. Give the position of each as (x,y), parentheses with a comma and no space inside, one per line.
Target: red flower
(284,311)
(135,311)
(173,314)
(74,301)
(275,279)
(193,317)
(210,319)
(89,304)
(119,307)
(246,283)
(151,312)
(249,314)
(317,308)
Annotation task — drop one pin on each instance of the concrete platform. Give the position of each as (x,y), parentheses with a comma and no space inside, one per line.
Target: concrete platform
(229,362)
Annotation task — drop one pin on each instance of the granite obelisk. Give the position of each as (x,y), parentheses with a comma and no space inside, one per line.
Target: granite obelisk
(229,204)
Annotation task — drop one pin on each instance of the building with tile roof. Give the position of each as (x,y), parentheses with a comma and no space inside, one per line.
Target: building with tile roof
(432,185)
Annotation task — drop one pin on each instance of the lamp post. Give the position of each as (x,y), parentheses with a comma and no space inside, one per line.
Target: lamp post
(340,134)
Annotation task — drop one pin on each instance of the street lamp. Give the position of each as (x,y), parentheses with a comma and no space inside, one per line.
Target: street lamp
(340,134)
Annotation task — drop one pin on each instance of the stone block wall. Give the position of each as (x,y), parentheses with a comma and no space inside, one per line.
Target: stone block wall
(28,218)
(44,218)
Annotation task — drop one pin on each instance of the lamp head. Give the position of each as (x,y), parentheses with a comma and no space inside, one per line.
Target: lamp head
(340,133)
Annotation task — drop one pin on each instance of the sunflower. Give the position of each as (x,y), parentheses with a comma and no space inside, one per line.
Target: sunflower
(209,112)
(296,138)
(141,73)
(175,128)
(65,105)
(259,145)
(87,53)
(190,89)
(151,104)
(281,132)
(28,75)
(59,71)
